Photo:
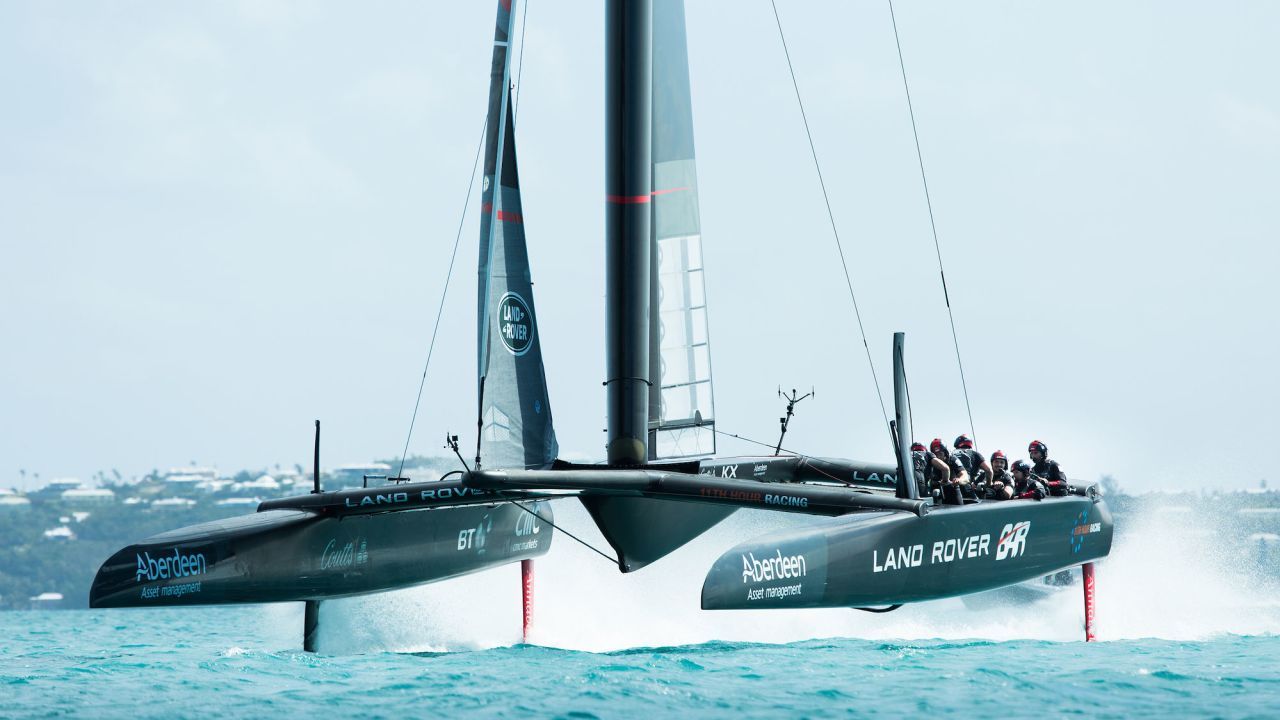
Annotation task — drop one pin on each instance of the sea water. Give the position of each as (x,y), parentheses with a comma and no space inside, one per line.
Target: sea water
(1187,625)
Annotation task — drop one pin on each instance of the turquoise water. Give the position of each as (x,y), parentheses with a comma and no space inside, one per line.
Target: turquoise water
(1188,617)
(118,664)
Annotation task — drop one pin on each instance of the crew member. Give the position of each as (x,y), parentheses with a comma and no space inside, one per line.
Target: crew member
(920,461)
(1001,485)
(1048,470)
(947,476)
(974,463)
(1026,485)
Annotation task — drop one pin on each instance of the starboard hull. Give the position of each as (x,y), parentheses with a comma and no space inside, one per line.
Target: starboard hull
(291,555)
(876,559)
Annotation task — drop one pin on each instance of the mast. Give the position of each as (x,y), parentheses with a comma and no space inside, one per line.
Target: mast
(628,256)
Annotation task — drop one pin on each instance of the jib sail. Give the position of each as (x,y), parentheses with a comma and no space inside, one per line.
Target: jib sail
(681,409)
(515,415)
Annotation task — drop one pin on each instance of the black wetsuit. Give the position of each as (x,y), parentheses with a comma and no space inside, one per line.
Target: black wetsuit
(920,465)
(1054,479)
(1003,476)
(1028,487)
(971,460)
(951,493)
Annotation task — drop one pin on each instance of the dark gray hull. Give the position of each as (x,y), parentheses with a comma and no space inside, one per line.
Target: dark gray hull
(875,559)
(291,555)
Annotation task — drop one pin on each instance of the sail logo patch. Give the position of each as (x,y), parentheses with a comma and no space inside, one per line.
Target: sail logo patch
(1013,540)
(1082,527)
(354,552)
(515,324)
(166,567)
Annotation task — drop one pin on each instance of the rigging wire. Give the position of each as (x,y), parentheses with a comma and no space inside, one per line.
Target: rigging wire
(932,225)
(443,294)
(844,265)
(584,543)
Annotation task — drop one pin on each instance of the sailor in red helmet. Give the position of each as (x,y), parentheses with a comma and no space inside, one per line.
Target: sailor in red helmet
(1000,486)
(947,477)
(920,462)
(1048,470)
(974,463)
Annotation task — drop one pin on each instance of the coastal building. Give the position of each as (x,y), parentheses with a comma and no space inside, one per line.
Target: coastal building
(62,532)
(14,503)
(55,488)
(353,474)
(88,496)
(190,477)
(46,600)
(173,502)
(240,501)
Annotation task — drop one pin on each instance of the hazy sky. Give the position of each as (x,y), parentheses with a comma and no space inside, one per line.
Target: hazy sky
(219,221)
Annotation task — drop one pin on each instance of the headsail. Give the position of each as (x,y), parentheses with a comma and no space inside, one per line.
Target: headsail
(515,415)
(681,409)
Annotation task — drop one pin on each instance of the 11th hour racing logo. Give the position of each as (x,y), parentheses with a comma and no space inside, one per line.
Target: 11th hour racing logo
(165,567)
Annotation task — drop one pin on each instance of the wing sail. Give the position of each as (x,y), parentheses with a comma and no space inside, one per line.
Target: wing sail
(681,408)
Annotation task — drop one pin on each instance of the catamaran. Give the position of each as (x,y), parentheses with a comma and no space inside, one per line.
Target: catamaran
(877,542)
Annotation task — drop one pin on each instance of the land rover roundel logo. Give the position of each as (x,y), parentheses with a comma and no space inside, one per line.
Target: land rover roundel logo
(515,323)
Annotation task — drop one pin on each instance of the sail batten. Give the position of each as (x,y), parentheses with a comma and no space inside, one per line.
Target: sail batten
(515,427)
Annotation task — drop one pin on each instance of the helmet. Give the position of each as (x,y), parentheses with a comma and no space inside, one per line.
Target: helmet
(937,445)
(917,447)
(963,442)
(1037,446)
(1021,466)
(999,455)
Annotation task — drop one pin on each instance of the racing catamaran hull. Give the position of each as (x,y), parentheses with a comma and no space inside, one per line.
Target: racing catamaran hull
(875,559)
(292,555)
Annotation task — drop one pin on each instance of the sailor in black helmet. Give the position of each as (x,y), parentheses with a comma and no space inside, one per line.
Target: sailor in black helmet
(974,463)
(1026,485)
(1048,470)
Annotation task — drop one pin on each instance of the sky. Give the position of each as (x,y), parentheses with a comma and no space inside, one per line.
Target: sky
(221,221)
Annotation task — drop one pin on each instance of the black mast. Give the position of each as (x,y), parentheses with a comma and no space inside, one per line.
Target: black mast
(628,193)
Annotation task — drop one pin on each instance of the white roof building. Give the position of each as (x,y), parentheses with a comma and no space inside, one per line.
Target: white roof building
(62,532)
(197,473)
(14,502)
(173,502)
(88,495)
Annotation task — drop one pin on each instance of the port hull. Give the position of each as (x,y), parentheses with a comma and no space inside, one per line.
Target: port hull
(292,555)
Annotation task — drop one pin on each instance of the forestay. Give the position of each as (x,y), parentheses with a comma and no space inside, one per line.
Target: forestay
(681,408)
(515,415)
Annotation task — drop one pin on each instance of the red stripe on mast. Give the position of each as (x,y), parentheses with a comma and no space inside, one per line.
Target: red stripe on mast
(627,199)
